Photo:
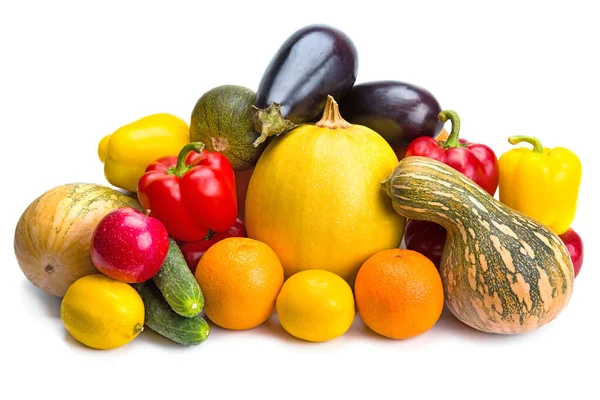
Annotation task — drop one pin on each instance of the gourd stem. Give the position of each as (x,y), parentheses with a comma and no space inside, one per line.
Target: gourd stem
(181,168)
(537,144)
(331,116)
(385,186)
(452,140)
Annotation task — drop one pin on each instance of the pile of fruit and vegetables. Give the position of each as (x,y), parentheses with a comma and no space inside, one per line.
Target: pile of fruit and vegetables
(314,198)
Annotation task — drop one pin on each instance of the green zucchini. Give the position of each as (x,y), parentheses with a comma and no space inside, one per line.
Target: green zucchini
(178,285)
(160,317)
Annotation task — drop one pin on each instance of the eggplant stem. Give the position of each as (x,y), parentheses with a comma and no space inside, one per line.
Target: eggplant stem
(269,122)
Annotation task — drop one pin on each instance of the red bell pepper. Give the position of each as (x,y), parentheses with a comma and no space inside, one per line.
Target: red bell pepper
(191,194)
(427,238)
(476,161)
(193,251)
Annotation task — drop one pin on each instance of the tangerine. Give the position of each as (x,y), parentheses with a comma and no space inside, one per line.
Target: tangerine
(399,293)
(240,279)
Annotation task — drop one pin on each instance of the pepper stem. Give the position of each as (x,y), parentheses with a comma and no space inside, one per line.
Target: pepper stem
(537,145)
(332,118)
(452,140)
(181,168)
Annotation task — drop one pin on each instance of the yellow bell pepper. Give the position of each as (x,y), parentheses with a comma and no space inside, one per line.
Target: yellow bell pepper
(542,183)
(130,149)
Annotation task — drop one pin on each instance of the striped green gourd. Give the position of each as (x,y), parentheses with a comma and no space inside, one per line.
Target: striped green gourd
(502,271)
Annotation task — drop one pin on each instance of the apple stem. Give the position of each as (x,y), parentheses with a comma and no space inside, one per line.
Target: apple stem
(147,213)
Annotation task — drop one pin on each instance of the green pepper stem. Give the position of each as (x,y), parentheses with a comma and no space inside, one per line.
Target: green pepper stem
(537,145)
(452,140)
(181,168)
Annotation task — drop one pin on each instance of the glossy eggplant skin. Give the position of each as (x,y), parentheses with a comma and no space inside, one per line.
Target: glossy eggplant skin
(398,111)
(316,61)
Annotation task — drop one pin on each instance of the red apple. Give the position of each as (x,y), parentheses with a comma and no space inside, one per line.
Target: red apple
(129,246)
(574,244)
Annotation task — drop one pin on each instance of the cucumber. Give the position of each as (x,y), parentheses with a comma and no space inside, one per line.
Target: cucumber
(160,317)
(178,285)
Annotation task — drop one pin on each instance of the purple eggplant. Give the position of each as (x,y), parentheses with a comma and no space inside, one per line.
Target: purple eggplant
(316,61)
(398,111)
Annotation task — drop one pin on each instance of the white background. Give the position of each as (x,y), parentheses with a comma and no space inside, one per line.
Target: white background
(71,73)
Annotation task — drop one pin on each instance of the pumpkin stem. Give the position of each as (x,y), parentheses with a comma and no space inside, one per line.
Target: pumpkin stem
(452,140)
(537,145)
(331,116)
(269,122)
(181,168)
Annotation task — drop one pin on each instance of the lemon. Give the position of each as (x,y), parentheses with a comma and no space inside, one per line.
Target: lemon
(315,305)
(101,312)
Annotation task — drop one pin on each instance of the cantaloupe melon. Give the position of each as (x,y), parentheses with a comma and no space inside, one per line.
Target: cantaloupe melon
(52,238)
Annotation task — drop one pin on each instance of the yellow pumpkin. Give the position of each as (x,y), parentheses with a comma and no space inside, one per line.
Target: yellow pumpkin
(315,196)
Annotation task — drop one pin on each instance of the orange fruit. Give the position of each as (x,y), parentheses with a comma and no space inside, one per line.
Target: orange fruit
(443,136)
(240,279)
(399,293)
